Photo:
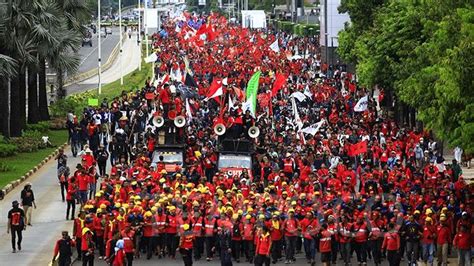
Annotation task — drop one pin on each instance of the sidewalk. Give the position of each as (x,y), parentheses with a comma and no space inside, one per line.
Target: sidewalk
(48,219)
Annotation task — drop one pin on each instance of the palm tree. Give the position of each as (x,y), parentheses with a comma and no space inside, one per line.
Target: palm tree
(38,31)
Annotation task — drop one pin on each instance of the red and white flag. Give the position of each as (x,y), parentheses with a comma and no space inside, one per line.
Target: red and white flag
(215,90)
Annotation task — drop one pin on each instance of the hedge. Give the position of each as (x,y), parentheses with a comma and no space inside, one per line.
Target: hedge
(7,149)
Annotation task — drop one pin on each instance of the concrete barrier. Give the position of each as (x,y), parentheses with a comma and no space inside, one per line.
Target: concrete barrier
(9,187)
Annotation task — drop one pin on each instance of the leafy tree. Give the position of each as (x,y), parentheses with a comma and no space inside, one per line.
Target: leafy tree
(423,52)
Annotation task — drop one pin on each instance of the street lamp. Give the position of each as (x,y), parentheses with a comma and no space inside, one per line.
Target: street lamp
(99,47)
(139,36)
(121,52)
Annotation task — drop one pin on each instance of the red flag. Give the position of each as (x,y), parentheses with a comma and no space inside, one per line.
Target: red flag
(358,148)
(202,30)
(280,80)
(215,90)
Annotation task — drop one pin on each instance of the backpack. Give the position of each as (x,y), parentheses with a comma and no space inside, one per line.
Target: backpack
(17,219)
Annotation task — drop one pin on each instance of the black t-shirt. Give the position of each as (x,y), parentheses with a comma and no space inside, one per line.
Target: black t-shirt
(17,217)
(27,197)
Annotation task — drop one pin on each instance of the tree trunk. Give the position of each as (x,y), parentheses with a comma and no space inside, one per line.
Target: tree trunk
(22,88)
(15,102)
(33,109)
(5,107)
(43,94)
(60,79)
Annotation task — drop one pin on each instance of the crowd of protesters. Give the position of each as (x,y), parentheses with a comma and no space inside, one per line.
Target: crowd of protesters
(394,200)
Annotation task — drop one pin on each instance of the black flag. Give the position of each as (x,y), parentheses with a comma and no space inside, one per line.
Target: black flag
(189,81)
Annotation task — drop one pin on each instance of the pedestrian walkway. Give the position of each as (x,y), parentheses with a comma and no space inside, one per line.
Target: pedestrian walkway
(49,219)
(130,62)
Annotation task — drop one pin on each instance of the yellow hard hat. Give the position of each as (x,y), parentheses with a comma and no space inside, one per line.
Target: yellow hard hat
(417,212)
(428,219)
(195,203)
(162,180)
(163,171)
(261,216)
(291,210)
(248,216)
(154,209)
(103,206)
(293,203)
(148,214)
(117,205)
(186,227)
(235,216)
(428,211)
(85,230)
(443,218)
(172,208)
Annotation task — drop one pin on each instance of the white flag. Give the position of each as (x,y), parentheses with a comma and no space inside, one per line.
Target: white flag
(313,129)
(151,58)
(361,105)
(298,95)
(298,122)
(274,46)
(231,104)
(189,114)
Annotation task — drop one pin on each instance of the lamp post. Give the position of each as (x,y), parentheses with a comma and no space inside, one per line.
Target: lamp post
(99,47)
(121,50)
(139,36)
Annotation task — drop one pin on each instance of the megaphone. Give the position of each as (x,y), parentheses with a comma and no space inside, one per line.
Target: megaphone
(158,121)
(180,121)
(254,132)
(219,129)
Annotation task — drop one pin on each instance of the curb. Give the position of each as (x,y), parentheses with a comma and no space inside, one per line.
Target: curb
(13,184)
(93,72)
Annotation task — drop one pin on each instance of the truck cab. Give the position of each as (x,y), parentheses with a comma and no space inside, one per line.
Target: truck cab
(173,157)
(235,157)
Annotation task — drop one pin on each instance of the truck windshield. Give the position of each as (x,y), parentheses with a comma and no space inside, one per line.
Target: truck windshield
(235,161)
(168,157)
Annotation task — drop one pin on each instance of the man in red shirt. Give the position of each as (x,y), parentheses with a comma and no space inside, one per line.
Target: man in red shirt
(427,241)
(186,245)
(83,182)
(325,238)
(391,242)
(462,241)
(443,233)
(290,227)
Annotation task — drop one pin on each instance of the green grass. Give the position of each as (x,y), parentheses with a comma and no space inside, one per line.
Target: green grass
(21,163)
(132,81)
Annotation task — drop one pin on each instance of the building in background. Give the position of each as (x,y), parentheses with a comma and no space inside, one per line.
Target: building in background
(331,22)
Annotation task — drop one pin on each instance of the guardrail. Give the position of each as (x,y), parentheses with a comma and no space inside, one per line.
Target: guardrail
(90,73)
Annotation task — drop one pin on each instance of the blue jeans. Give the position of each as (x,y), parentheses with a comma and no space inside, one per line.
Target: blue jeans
(428,252)
(309,248)
(83,196)
(464,256)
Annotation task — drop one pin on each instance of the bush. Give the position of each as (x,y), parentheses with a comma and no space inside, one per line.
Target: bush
(57,123)
(42,126)
(8,149)
(30,141)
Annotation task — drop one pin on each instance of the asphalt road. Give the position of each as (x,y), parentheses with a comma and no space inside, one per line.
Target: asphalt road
(89,54)
(48,220)
(300,261)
